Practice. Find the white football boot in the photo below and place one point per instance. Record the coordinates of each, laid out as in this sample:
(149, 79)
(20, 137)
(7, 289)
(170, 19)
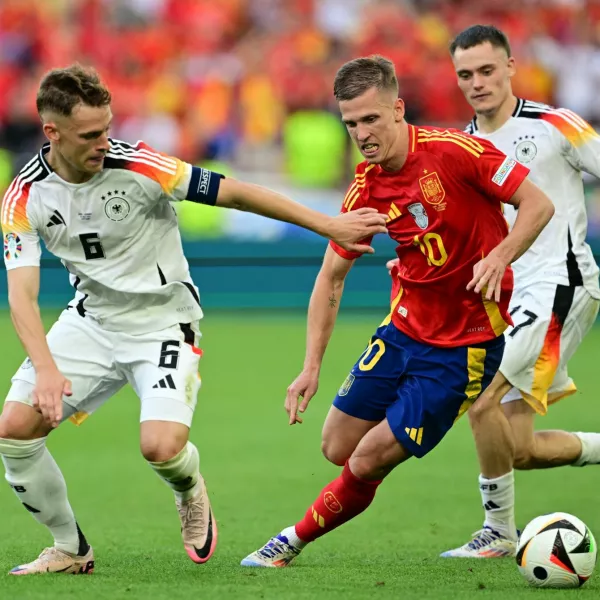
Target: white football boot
(277, 552)
(485, 543)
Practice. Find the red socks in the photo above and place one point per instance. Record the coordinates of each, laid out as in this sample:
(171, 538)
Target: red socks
(339, 501)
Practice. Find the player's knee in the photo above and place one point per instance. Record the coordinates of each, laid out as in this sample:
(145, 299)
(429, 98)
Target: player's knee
(162, 440)
(334, 453)
(368, 466)
(20, 421)
(479, 410)
(160, 450)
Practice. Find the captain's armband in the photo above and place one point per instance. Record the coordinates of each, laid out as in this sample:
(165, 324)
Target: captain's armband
(204, 186)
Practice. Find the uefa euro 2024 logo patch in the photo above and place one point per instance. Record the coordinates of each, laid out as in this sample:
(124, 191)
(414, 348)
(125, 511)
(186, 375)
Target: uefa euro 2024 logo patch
(508, 164)
(12, 246)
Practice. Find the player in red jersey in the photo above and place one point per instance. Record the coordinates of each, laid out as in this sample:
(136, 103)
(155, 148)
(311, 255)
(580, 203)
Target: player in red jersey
(440, 347)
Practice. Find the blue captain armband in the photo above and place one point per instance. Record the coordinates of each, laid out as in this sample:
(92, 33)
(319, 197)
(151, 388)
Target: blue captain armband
(204, 186)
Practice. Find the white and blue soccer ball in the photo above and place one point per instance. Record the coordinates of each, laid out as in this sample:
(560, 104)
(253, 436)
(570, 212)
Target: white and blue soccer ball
(556, 551)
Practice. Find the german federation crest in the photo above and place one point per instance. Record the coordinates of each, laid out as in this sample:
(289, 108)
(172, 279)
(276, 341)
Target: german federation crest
(116, 208)
(526, 151)
(417, 210)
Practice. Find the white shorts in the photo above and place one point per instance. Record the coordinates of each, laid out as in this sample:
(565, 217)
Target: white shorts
(161, 366)
(550, 321)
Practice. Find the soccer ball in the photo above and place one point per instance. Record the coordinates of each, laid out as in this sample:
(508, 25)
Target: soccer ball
(556, 551)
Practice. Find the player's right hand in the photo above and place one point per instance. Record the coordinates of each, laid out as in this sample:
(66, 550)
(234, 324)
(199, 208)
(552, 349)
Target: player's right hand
(305, 385)
(348, 229)
(48, 393)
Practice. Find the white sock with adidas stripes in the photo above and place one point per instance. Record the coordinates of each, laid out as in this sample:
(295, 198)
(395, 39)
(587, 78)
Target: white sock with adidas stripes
(498, 498)
(181, 473)
(39, 484)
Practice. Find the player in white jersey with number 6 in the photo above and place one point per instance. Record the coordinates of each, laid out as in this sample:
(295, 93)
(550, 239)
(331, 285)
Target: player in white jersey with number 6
(556, 295)
(103, 207)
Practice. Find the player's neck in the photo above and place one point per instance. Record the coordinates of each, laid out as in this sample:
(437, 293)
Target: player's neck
(490, 122)
(64, 170)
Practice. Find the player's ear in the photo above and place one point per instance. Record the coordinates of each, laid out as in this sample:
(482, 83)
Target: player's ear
(399, 110)
(512, 66)
(51, 131)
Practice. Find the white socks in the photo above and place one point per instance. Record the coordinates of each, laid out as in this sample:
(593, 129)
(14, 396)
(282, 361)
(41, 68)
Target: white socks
(292, 537)
(498, 497)
(590, 449)
(181, 473)
(38, 483)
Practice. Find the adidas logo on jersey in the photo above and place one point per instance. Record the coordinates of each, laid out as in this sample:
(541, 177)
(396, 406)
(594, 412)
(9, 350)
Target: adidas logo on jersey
(56, 219)
(165, 382)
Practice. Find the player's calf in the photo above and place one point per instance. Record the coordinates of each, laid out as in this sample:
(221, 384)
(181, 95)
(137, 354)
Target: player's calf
(554, 448)
(546, 449)
(39, 485)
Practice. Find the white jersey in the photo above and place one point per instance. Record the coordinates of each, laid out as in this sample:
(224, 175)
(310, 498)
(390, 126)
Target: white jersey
(557, 145)
(116, 234)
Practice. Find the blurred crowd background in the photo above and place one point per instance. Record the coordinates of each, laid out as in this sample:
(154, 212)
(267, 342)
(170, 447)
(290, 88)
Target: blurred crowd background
(247, 84)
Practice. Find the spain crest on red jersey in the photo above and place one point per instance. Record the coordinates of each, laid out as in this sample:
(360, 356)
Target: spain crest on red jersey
(432, 188)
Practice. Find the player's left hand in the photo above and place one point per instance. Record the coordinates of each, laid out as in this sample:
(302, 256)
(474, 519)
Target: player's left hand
(347, 229)
(487, 275)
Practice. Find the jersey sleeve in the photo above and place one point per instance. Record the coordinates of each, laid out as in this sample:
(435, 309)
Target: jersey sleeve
(355, 198)
(177, 180)
(579, 142)
(19, 233)
(171, 174)
(493, 173)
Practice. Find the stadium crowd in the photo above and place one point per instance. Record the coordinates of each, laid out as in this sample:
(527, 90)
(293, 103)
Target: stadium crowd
(213, 79)
(248, 82)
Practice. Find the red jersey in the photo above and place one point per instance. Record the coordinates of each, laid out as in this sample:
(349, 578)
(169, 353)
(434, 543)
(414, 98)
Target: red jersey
(444, 211)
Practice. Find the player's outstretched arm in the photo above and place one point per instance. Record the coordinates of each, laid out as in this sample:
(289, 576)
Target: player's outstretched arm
(23, 291)
(345, 229)
(535, 210)
(322, 313)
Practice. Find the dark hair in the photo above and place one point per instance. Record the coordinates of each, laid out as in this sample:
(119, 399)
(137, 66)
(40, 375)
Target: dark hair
(62, 89)
(477, 35)
(357, 76)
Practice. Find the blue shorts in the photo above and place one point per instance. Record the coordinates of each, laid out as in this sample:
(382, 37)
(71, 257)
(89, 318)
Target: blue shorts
(420, 389)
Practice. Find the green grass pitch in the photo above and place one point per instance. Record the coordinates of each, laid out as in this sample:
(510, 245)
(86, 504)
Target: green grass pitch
(263, 474)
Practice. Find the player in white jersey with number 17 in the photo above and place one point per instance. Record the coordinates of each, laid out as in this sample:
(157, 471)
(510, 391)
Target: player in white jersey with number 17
(556, 295)
(103, 207)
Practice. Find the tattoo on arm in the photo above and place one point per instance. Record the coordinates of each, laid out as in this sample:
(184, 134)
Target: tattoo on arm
(332, 301)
